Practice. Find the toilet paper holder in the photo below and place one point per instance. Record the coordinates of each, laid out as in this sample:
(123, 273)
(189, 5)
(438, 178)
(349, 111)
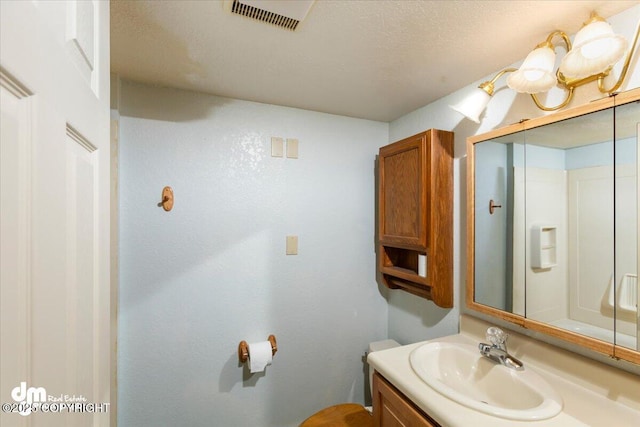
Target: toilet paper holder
(243, 349)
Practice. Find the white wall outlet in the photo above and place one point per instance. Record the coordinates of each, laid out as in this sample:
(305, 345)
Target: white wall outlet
(277, 147)
(292, 245)
(292, 148)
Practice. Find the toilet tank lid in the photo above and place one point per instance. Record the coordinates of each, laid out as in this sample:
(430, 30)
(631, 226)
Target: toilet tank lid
(382, 345)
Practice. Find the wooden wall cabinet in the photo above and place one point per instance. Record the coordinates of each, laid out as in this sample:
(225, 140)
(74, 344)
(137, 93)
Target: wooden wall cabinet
(392, 409)
(416, 215)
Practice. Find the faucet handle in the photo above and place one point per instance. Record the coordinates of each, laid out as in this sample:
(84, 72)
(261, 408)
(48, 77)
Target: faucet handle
(496, 336)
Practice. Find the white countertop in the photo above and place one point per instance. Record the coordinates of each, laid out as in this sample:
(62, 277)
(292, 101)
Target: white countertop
(586, 401)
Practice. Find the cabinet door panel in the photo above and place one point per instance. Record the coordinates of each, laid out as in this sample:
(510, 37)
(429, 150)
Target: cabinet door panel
(392, 409)
(403, 193)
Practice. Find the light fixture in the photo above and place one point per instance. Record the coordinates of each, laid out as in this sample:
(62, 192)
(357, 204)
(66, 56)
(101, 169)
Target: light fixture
(596, 49)
(473, 105)
(536, 72)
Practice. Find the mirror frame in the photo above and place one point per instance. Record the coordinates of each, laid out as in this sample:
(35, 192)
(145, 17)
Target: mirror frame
(607, 348)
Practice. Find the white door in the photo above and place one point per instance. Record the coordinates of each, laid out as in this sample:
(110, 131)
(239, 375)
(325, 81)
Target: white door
(54, 213)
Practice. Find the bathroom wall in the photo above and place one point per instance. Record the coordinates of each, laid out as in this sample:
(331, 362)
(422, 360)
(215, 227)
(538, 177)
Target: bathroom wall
(412, 319)
(213, 271)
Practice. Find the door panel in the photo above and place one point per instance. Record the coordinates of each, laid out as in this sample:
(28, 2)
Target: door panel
(81, 269)
(15, 296)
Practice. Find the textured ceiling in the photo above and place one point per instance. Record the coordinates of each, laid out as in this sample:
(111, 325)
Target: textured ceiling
(370, 59)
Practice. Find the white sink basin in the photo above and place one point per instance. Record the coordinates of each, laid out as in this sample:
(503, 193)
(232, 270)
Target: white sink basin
(461, 373)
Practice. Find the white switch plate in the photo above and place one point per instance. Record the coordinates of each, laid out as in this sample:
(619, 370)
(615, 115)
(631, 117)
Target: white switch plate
(277, 147)
(292, 148)
(292, 245)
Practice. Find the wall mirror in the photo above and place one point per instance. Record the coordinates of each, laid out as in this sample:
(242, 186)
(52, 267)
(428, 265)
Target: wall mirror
(553, 225)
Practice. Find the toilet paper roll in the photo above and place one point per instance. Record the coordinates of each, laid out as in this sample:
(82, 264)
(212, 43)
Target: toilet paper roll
(259, 356)
(422, 265)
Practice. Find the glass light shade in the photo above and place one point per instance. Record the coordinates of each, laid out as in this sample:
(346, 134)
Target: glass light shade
(536, 72)
(473, 105)
(595, 49)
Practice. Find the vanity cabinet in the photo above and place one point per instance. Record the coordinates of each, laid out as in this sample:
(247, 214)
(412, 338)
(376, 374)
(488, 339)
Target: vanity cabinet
(415, 216)
(391, 408)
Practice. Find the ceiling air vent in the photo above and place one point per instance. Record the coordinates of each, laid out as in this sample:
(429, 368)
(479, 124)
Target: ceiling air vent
(282, 13)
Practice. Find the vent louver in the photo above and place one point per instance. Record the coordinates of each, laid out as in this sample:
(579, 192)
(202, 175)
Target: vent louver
(264, 15)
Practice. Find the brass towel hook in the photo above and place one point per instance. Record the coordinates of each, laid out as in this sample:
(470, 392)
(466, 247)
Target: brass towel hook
(167, 199)
(493, 206)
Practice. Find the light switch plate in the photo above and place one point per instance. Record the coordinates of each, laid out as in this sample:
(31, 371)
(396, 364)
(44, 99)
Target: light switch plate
(292, 148)
(292, 245)
(277, 147)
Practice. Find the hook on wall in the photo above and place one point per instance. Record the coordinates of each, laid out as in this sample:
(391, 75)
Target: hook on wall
(493, 206)
(167, 199)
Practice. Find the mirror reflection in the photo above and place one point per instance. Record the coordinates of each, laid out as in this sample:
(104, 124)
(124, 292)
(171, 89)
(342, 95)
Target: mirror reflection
(625, 286)
(498, 278)
(569, 180)
(561, 246)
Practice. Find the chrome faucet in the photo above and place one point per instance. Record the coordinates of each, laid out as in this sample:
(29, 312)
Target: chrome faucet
(497, 350)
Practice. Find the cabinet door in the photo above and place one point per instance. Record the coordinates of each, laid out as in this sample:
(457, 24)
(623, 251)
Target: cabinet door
(393, 409)
(403, 193)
